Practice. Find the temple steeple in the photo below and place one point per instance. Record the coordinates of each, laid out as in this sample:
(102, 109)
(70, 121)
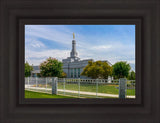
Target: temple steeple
(73, 35)
(73, 53)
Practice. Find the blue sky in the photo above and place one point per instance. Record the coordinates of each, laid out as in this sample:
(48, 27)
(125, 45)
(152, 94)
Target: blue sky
(99, 42)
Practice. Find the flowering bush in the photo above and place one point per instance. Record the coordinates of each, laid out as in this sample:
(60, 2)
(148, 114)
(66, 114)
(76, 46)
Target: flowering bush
(51, 68)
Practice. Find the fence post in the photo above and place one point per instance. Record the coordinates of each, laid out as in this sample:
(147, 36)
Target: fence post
(64, 85)
(122, 88)
(79, 87)
(28, 82)
(109, 79)
(54, 85)
(96, 88)
(46, 84)
(36, 81)
(57, 86)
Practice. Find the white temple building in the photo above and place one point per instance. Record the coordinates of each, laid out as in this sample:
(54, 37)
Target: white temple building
(72, 65)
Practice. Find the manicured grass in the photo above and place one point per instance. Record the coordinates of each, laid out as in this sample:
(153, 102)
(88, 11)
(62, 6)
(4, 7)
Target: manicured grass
(30, 94)
(86, 96)
(109, 89)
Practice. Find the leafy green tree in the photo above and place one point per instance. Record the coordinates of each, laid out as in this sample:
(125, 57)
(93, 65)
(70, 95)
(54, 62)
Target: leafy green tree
(51, 68)
(63, 75)
(97, 69)
(39, 75)
(121, 69)
(132, 75)
(28, 69)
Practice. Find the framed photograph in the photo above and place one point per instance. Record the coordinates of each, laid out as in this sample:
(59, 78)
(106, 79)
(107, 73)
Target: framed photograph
(97, 62)
(72, 61)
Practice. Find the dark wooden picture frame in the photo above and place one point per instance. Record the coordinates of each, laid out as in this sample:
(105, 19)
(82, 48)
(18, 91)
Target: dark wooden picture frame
(144, 14)
(137, 22)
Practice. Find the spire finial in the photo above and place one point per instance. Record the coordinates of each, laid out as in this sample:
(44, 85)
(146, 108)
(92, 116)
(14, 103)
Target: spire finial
(73, 35)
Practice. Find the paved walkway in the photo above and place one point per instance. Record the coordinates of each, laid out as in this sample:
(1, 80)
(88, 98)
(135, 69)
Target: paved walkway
(81, 92)
(93, 93)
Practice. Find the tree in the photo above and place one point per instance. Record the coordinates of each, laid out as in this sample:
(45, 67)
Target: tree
(121, 69)
(63, 75)
(97, 69)
(28, 69)
(132, 75)
(51, 68)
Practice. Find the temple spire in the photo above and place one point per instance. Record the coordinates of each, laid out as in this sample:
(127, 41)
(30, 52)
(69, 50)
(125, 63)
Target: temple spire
(73, 35)
(73, 52)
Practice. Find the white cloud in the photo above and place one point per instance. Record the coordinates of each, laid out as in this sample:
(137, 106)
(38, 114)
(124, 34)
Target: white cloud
(37, 44)
(108, 49)
(55, 35)
(101, 47)
(35, 58)
(32, 44)
(113, 52)
(131, 61)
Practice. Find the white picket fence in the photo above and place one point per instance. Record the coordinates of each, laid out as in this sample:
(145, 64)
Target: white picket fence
(81, 88)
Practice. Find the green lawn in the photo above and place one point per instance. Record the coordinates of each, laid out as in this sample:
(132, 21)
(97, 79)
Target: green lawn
(84, 95)
(30, 94)
(109, 89)
(106, 88)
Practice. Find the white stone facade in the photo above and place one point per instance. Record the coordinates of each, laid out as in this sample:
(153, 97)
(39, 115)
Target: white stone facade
(74, 69)
(73, 66)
